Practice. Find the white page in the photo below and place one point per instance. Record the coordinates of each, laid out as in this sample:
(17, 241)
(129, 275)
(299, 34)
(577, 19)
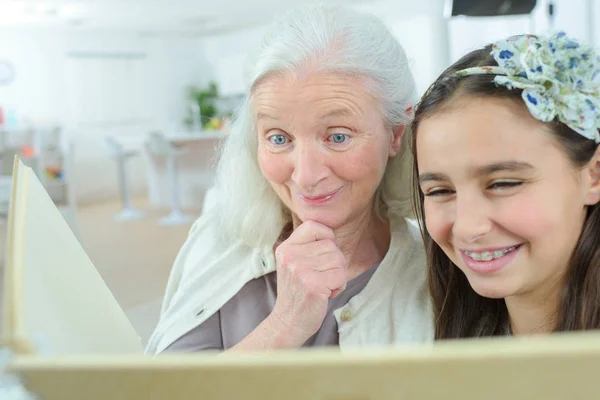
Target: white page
(60, 302)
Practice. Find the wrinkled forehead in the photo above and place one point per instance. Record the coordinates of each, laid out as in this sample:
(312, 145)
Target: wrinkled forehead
(319, 95)
(294, 80)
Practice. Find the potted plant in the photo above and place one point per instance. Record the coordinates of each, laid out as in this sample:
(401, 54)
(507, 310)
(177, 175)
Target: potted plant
(203, 111)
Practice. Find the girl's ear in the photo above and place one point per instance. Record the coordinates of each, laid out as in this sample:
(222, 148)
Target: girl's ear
(593, 171)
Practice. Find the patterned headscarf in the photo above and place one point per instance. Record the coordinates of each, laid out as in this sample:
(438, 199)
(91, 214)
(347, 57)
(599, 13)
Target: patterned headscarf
(559, 76)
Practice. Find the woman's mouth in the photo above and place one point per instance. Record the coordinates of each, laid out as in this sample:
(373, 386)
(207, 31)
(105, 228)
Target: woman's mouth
(319, 199)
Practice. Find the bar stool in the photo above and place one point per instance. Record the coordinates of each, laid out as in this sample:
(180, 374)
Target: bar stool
(121, 156)
(159, 146)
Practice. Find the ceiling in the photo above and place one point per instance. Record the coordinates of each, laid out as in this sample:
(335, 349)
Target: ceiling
(192, 16)
(198, 17)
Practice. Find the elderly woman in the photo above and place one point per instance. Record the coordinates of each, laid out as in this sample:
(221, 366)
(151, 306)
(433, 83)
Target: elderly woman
(308, 245)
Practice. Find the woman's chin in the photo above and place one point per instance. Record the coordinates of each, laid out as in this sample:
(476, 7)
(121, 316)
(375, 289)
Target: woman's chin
(328, 219)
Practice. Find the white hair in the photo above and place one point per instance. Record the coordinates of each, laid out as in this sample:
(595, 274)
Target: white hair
(324, 38)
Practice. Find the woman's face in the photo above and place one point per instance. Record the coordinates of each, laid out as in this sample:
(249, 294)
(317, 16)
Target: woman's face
(322, 145)
(502, 199)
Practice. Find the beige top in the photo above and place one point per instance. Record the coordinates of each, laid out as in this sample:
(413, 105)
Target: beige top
(250, 306)
(392, 308)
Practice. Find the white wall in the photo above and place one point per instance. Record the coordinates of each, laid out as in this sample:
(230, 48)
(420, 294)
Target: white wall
(428, 55)
(593, 20)
(99, 84)
(467, 34)
(571, 16)
(227, 54)
(431, 42)
(418, 26)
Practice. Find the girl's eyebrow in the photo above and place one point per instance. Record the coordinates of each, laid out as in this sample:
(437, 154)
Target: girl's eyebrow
(512, 166)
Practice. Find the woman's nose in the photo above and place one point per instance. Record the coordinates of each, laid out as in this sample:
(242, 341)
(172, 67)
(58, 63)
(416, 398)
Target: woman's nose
(309, 167)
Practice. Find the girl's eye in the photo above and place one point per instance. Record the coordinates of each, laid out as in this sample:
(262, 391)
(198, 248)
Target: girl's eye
(338, 138)
(504, 185)
(278, 139)
(438, 192)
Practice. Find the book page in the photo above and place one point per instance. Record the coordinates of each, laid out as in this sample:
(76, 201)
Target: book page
(60, 303)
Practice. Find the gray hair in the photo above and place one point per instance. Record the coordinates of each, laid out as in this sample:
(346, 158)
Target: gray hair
(311, 38)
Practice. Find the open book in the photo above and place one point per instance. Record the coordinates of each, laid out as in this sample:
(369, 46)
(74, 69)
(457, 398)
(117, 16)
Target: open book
(73, 342)
(55, 301)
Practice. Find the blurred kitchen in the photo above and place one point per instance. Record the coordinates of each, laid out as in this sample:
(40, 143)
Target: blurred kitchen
(119, 106)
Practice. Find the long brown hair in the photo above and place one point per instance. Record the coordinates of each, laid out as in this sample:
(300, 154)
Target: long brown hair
(459, 311)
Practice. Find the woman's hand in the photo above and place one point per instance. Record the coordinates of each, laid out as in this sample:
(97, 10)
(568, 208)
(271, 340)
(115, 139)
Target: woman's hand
(311, 269)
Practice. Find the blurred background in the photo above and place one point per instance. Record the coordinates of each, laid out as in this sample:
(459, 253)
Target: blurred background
(118, 106)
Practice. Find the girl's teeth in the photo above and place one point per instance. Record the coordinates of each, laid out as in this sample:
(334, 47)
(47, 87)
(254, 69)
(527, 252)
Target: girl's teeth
(489, 255)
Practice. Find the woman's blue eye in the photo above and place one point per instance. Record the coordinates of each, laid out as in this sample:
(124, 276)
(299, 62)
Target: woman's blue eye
(339, 137)
(278, 139)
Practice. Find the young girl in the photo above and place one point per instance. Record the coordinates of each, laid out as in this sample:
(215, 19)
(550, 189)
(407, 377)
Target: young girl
(507, 185)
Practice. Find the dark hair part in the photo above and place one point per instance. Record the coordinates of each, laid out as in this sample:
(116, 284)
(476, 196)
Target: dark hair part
(459, 311)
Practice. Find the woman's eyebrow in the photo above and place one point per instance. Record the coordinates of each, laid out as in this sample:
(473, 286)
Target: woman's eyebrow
(262, 115)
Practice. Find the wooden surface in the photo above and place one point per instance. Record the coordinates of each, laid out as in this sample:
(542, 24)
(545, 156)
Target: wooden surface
(501, 369)
(54, 297)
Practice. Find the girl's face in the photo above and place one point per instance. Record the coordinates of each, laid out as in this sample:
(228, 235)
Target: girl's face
(502, 199)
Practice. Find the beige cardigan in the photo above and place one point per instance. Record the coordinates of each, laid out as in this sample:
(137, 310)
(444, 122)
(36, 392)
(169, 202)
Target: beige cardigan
(393, 308)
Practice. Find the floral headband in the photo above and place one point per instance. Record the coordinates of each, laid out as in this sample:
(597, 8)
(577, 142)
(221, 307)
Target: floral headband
(560, 79)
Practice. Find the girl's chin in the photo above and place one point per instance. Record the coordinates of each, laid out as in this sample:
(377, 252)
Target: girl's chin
(491, 291)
